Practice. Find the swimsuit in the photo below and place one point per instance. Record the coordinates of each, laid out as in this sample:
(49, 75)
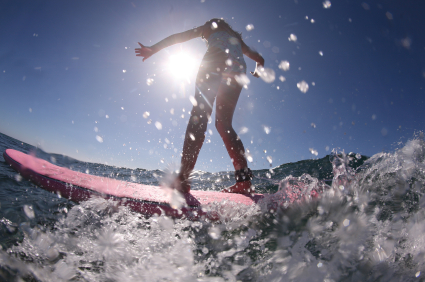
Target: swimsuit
(226, 50)
(221, 63)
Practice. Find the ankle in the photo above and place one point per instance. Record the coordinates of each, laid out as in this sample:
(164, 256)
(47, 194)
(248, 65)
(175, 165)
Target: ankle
(244, 174)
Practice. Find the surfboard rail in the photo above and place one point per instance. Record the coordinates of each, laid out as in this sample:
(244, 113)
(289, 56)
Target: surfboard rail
(146, 199)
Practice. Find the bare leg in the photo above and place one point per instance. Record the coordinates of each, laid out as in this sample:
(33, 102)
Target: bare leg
(206, 90)
(227, 99)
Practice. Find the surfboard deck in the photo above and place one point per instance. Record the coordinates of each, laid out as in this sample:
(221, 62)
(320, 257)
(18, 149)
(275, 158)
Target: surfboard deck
(146, 199)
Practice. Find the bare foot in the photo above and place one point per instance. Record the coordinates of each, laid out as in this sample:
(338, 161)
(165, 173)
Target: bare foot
(240, 188)
(181, 185)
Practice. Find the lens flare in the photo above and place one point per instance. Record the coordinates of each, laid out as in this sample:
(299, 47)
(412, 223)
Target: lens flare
(181, 66)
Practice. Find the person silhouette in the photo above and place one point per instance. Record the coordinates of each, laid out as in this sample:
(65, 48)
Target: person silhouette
(216, 80)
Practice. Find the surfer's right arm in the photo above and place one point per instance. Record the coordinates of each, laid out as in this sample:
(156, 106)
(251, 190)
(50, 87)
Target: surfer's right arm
(253, 55)
(181, 37)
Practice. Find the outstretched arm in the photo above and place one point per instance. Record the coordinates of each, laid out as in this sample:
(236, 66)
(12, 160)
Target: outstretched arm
(253, 55)
(146, 52)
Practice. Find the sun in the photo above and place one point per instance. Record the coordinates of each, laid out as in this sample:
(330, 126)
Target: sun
(181, 65)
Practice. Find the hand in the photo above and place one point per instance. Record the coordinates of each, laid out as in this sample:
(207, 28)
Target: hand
(255, 73)
(144, 51)
(259, 66)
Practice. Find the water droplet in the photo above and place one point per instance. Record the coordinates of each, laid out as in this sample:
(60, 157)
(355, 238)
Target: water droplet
(99, 139)
(313, 125)
(313, 152)
(384, 131)
(149, 81)
(268, 75)
(418, 274)
(321, 53)
(29, 212)
(192, 136)
(146, 114)
(269, 159)
(243, 130)
(214, 25)
(284, 65)
(124, 71)
(176, 200)
(249, 158)
(346, 222)
(242, 79)
(327, 4)
(302, 86)
(292, 37)
(266, 129)
(249, 27)
(18, 177)
(406, 42)
(158, 125)
(214, 232)
(282, 78)
(149, 121)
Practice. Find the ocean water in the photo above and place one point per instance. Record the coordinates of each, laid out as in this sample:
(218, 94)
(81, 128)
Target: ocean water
(368, 225)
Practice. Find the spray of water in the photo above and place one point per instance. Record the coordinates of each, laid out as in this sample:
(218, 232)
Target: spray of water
(365, 225)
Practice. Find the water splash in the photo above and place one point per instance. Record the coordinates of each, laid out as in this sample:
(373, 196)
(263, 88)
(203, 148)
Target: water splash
(303, 86)
(327, 4)
(367, 225)
(284, 65)
(267, 74)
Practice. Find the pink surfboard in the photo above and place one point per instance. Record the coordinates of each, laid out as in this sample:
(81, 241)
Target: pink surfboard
(146, 199)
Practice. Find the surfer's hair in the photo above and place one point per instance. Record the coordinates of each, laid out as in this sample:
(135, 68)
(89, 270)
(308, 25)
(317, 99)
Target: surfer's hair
(223, 25)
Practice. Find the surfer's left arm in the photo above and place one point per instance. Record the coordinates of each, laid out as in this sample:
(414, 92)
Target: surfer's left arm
(255, 56)
(181, 37)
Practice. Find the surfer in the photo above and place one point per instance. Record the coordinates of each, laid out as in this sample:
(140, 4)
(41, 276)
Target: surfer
(222, 65)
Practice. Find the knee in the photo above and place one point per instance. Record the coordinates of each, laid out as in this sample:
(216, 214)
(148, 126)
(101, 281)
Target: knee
(199, 123)
(223, 128)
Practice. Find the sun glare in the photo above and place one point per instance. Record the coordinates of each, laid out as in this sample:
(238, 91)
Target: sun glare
(181, 65)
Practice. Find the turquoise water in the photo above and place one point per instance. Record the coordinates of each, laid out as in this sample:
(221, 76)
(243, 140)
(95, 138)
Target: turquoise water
(368, 226)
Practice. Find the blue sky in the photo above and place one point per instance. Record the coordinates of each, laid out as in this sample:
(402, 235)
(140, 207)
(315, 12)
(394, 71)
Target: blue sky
(70, 82)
